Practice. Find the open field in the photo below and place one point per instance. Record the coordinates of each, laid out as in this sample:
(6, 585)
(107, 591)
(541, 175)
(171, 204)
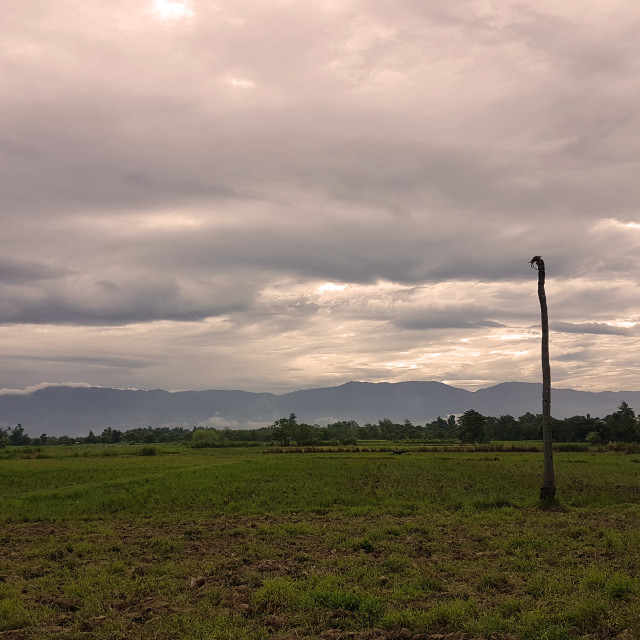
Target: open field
(104, 543)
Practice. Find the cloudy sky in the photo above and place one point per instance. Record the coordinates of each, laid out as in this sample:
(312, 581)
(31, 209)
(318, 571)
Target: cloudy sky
(279, 194)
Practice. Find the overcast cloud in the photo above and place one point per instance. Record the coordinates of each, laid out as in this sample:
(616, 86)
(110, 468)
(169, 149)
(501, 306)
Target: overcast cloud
(272, 195)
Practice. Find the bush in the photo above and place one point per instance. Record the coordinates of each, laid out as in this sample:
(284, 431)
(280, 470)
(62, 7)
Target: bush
(593, 437)
(203, 438)
(148, 451)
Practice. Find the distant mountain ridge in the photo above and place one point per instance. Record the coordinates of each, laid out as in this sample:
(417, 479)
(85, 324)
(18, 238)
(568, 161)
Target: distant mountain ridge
(73, 411)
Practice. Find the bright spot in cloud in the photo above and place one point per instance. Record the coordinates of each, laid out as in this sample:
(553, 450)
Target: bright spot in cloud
(169, 221)
(172, 10)
(241, 84)
(498, 352)
(156, 221)
(613, 222)
(330, 286)
(402, 365)
(465, 353)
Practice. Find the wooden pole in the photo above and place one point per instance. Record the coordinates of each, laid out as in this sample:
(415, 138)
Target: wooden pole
(548, 488)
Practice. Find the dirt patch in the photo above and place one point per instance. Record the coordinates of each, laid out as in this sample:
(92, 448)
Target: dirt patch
(64, 604)
(143, 611)
(91, 624)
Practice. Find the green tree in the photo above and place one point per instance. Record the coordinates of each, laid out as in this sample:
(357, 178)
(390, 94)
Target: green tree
(411, 431)
(110, 436)
(529, 426)
(389, 430)
(623, 425)
(504, 428)
(575, 428)
(305, 434)
(436, 429)
(284, 430)
(344, 431)
(472, 427)
(548, 488)
(17, 436)
(369, 432)
(206, 438)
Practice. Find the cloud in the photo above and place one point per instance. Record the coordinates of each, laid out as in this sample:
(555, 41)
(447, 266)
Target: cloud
(15, 271)
(175, 191)
(445, 317)
(182, 189)
(79, 300)
(42, 385)
(598, 328)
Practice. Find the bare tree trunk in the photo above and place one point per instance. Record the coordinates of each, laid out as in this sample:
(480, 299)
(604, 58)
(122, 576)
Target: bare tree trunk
(548, 488)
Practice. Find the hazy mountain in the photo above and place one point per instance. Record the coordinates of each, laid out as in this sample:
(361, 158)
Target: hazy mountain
(76, 410)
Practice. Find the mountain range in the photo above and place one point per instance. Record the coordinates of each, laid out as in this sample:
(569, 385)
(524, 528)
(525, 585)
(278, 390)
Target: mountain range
(73, 411)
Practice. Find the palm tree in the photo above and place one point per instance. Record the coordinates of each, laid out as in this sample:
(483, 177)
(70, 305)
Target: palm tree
(548, 488)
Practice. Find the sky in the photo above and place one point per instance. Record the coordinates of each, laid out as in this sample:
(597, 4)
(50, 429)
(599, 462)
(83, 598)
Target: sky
(273, 195)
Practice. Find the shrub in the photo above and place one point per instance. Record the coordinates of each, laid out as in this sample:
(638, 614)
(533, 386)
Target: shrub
(148, 451)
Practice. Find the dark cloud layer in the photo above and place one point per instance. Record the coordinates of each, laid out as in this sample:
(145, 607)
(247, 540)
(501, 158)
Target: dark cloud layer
(22, 272)
(598, 328)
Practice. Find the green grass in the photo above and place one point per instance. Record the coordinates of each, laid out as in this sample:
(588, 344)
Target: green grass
(233, 543)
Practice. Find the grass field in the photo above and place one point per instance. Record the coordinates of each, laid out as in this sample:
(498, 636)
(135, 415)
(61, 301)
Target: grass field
(105, 543)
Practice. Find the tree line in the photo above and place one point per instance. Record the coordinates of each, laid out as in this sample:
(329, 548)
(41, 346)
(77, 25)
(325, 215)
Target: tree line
(471, 426)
